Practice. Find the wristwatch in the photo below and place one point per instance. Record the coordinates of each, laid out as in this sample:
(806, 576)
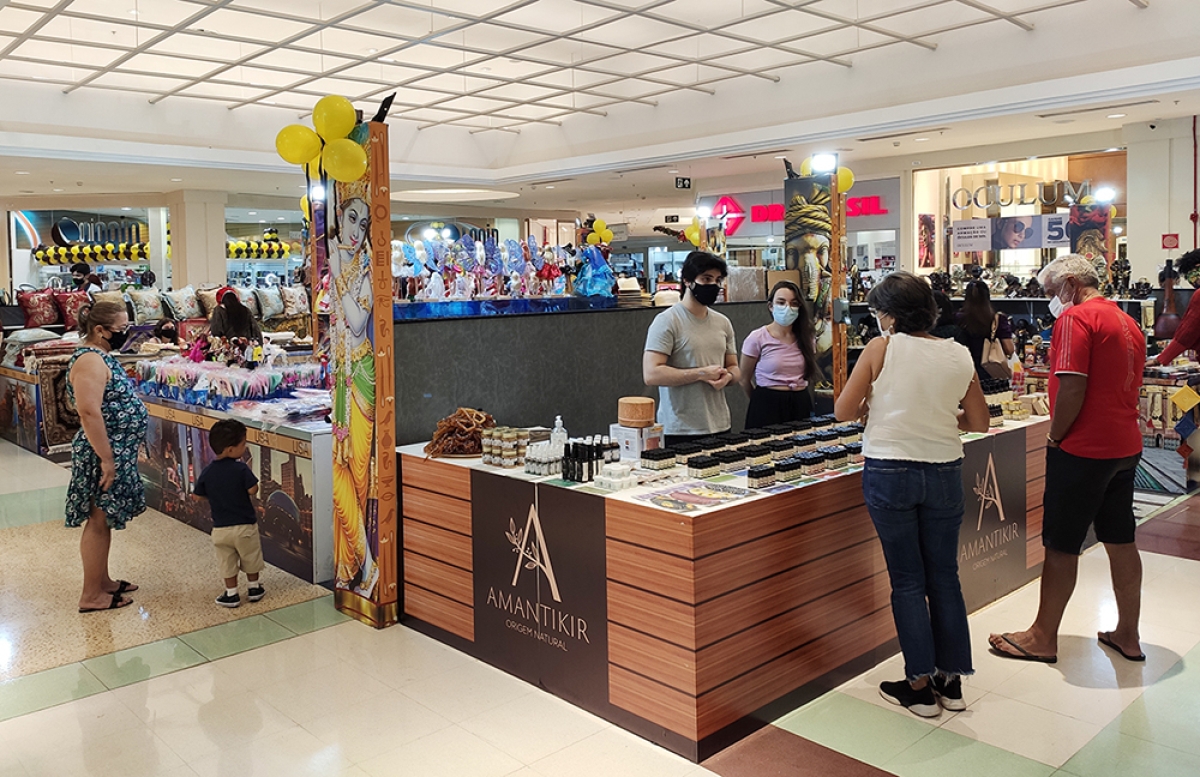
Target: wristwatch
(1052, 440)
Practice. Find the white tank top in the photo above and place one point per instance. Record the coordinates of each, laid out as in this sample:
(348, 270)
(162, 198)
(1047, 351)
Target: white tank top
(915, 400)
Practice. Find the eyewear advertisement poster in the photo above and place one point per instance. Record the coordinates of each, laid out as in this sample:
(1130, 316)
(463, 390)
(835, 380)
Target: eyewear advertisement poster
(1011, 232)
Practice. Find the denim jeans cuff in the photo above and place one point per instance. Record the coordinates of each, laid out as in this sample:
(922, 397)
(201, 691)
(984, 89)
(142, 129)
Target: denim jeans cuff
(923, 676)
(959, 672)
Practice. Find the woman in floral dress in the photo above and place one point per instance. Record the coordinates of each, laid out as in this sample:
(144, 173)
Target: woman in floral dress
(106, 489)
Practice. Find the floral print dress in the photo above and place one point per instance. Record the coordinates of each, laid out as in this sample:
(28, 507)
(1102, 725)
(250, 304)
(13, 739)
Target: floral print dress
(125, 419)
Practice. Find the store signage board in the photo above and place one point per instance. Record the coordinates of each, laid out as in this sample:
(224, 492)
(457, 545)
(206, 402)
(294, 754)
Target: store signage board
(971, 235)
(1170, 242)
(992, 540)
(1011, 232)
(540, 588)
(996, 196)
(683, 183)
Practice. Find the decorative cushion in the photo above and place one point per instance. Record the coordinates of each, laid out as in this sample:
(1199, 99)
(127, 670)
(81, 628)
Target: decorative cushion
(295, 324)
(183, 303)
(270, 302)
(247, 297)
(109, 296)
(208, 301)
(295, 301)
(147, 306)
(38, 307)
(69, 304)
(15, 342)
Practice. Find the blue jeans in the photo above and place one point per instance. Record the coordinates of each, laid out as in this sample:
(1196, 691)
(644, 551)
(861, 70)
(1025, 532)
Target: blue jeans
(917, 510)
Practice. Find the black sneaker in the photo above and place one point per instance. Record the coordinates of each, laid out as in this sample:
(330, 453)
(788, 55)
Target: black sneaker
(949, 692)
(225, 600)
(255, 593)
(920, 702)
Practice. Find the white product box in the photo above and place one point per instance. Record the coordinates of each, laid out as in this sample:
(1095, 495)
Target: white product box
(634, 441)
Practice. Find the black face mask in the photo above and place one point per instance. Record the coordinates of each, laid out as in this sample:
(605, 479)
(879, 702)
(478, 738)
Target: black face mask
(705, 293)
(169, 334)
(117, 339)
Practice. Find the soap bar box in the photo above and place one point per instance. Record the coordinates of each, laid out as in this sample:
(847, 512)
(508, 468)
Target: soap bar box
(634, 441)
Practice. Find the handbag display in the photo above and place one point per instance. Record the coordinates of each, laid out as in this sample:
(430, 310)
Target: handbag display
(993, 359)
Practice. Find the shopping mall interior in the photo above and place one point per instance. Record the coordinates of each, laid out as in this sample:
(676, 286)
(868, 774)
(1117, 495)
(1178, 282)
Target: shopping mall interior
(519, 182)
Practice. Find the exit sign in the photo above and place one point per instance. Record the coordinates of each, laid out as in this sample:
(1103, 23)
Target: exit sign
(683, 183)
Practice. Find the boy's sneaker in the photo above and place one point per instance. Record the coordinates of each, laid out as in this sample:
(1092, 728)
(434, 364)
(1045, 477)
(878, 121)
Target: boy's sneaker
(920, 702)
(255, 593)
(225, 600)
(948, 691)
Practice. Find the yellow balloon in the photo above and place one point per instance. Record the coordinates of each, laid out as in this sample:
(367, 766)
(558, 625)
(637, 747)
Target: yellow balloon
(845, 179)
(1088, 200)
(599, 225)
(297, 144)
(305, 208)
(606, 235)
(344, 160)
(334, 117)
(806, 166)
(313, 167)
(593, 239)
(1112, 212)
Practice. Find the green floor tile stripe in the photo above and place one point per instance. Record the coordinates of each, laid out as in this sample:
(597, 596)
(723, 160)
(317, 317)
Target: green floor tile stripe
(838, 721)
(42, 690)
(26, 508)
(948, 754)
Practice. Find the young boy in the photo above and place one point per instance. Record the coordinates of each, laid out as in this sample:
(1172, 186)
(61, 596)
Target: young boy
(228, 484)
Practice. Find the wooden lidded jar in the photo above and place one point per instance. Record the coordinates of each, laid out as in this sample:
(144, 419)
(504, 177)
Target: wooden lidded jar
(635, 412)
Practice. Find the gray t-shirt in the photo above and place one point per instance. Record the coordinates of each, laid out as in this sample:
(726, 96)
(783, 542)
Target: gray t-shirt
(689, 342)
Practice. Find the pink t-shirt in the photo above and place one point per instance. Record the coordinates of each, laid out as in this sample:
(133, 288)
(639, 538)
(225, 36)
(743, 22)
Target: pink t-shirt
(780, 365)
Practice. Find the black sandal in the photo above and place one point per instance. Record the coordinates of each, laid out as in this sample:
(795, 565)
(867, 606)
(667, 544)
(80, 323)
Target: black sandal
(115, 604)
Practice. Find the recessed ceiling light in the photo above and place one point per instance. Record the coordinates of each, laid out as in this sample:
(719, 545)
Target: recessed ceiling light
(252, 213)
(262, 221)
(22, 172)
(126, 208)
(549, 187)
(672, 171)
(372, 51)
(133, 12)
(781, 156)
(920, 140)
(281, 218)
(176, 180)
(58, 190)
(1116, 115)
(1110, 150)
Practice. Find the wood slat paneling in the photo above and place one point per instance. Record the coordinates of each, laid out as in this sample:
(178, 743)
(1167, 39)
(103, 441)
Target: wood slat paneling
(437, 509)
(658, 616)
(447, 546)
(728, 659)
(733, 701)
(441, 612)
(668, 664)
(451, 582)
(1035, 464)
(1035, 436)
(668, 575)
(740, 523)
(669, 708)
(436, 476)
(724, 572)
(1034, 491)
(650, 527)
(1033, 522)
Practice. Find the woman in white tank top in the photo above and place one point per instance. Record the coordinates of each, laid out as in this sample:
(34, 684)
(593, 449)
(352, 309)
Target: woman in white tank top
(917, 393)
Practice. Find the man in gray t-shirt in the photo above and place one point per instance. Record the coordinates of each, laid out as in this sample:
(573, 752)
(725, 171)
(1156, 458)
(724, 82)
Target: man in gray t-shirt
(691, 354)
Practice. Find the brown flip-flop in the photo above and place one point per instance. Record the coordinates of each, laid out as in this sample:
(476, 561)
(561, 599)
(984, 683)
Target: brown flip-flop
(1025, 655)
(1105, 638)
(117, 603)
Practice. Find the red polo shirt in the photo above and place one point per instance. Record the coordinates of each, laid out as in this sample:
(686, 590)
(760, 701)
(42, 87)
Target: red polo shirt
(1099, 340)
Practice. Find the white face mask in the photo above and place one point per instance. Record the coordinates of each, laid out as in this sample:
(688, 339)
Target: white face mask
(879, 323)
(785, 315)
(1058, 307)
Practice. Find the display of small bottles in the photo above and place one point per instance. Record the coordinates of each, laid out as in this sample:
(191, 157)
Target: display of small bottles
(710, 444)
(836, 456)
(780, 431)
(781, 449)
(658, 459)
(758, 435)
(855, 452)
(789, 470)
(584, 458)
(703, 466)
(731, 461)
(812, 463)
(805, 443)
(543, 458)
(756, 454)
(761, 476)
(826, 436)
(685, 450)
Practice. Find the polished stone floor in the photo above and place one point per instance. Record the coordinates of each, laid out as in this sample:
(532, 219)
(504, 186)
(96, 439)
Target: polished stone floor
(301, 690)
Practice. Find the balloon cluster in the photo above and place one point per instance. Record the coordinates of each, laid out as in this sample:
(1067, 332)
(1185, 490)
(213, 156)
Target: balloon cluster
(92, 252)
(600, 233)
(845, 176)
(267, 248)
(327, 150)
(1091, 202)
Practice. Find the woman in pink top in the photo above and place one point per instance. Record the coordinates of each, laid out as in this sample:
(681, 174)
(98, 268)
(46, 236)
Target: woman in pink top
(779, 360)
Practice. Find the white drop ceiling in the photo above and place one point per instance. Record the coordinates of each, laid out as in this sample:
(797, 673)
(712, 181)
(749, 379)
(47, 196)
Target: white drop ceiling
(488, 65)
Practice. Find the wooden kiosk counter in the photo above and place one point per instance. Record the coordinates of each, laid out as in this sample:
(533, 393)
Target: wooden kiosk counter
(686, 611)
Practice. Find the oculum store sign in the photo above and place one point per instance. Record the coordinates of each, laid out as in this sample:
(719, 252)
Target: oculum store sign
(995, 195)
(870, 205)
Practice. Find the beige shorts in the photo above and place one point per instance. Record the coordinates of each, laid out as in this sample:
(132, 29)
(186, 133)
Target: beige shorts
(238, 547)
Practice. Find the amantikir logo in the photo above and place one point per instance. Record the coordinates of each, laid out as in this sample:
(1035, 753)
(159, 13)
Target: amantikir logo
(987, 488)
(530, 546)
(992, 543)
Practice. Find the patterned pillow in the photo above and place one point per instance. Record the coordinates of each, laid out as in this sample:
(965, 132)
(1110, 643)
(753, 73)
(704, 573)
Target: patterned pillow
(295, 300)
(147, 306)
(109, 296)
(69, 304)
(270, 302)
(38, 307)
(247, 297)
(183, 303)
(208, 300)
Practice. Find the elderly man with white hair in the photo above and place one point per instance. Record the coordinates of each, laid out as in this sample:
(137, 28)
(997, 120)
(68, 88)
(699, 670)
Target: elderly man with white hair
(1093, 448)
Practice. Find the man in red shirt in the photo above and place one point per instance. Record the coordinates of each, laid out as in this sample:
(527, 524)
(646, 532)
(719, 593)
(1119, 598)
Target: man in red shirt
(1093, 448)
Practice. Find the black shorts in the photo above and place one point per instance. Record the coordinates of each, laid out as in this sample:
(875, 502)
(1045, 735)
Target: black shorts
(1084, 492)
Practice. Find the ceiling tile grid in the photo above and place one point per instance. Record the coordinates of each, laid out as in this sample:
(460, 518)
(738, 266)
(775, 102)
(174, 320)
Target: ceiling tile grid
(481, 64)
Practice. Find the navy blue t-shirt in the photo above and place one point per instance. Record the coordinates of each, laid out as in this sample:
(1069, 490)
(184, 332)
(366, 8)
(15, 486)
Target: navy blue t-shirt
(226, 483)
